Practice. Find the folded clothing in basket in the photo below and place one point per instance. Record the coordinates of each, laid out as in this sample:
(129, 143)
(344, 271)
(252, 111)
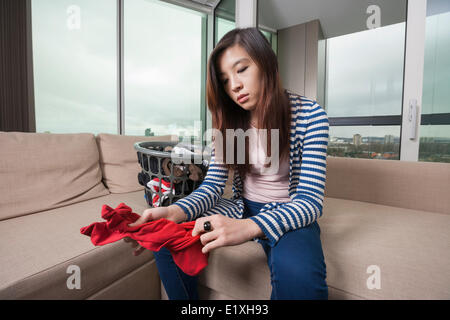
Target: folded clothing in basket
(186, 250)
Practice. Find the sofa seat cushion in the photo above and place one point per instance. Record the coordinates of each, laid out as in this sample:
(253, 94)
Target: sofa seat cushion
(41, 171)
(410, 248)
(239, 272)
(38, 249)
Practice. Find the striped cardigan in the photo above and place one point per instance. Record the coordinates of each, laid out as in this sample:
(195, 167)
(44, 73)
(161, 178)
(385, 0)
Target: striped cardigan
(307, 175)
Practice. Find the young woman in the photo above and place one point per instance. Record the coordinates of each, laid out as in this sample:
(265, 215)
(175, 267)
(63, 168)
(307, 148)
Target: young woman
(278, 209)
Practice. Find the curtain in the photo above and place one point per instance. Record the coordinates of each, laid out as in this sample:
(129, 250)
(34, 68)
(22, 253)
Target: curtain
(16, 67)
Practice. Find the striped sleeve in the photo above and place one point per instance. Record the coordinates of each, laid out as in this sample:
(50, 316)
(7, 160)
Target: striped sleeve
(208, 193)
(306, 207)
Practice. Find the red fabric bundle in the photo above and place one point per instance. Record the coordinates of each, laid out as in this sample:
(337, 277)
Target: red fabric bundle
(186, 250)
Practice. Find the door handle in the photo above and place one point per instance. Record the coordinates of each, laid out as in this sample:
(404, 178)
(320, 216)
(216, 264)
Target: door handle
(412, 119)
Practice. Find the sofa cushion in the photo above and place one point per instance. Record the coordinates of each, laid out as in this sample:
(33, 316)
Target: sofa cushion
(38, 249)
(240, 272)
(40, 171)
(409, 248)
(119, 162)
(141, 284)
(405, 184)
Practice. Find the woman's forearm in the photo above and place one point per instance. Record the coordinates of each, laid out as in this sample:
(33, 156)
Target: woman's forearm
(176, 214)
(254, 230)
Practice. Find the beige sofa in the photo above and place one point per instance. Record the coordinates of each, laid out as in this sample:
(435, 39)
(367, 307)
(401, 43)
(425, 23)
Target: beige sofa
(51, 185)
(383, 219)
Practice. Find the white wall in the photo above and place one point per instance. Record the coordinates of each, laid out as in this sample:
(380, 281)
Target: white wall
(298, 58)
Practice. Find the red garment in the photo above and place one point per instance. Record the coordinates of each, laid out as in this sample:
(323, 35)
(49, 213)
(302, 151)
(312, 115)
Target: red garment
(186, 250)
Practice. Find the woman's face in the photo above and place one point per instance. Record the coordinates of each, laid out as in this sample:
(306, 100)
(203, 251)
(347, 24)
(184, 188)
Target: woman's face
(240, 76)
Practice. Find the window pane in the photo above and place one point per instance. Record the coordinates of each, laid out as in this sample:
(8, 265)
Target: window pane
(435, 139)
(436, 84)
(272, 38)
(224, 18)
(275, 43)
(266, 34)
(365, 72)
(434, 143)
(163, 59)
(373, 142)
(364, 78)
(75, 73)
(223, 27)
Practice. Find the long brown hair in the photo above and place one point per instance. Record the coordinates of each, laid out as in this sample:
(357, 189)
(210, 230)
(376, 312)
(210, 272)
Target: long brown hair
(273, 107)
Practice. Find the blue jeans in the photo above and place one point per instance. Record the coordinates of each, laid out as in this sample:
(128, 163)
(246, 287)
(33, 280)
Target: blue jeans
(296, 263)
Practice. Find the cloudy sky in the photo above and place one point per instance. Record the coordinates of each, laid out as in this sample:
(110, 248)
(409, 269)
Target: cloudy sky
(75, 62)
(76, 66)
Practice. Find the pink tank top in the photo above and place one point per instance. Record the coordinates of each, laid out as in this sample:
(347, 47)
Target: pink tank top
(265, 184)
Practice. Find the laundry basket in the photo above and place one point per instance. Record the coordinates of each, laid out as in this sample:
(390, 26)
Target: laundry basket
(170, 170)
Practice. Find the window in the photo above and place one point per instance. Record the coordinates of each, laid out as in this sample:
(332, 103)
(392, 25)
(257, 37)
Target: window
(435, 125)
(364, 85)
(223, 27)
(272, 38)
(75, 73)
(225, 20)
(163, 52)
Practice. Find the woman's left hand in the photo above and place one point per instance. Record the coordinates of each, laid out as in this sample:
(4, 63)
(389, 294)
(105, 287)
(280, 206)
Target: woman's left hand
(225, 231)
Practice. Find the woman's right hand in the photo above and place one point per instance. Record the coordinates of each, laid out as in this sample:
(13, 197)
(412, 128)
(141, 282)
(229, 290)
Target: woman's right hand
(173, 213)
